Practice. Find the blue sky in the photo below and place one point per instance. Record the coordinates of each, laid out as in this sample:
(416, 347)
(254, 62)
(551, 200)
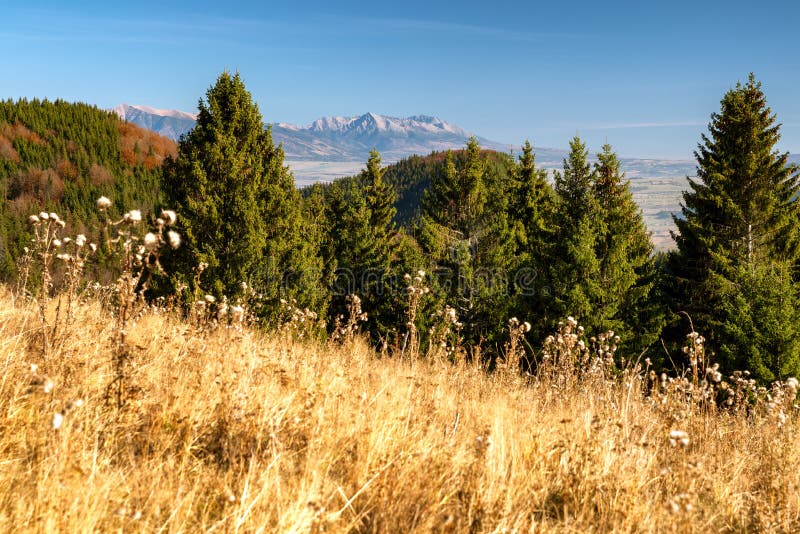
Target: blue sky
(643, 75)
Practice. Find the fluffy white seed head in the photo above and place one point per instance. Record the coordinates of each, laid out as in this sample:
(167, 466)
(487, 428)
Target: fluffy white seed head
(678, 437)
(169, 217)
(174, 239)
(103, 203)
(133, 217)
(150, 240)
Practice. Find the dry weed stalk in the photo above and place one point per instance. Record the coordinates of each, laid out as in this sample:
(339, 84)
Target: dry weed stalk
(570, 360)
(513, 349)
(299, 323)
(138, 254)
(46, 228)
(345, 331)
(415, 290)
(445, 340)
(48, 247)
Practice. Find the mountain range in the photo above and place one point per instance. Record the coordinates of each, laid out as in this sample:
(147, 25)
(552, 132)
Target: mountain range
(340, 139)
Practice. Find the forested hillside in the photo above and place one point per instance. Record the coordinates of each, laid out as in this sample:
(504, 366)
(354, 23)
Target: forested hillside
(60, 157)
(410, 177)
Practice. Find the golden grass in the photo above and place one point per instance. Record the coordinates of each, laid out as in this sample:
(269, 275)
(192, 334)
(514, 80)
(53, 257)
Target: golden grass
(241, 432)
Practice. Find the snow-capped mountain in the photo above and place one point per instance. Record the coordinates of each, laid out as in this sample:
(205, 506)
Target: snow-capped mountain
(351, 138)
(166, 122)
(332, 138)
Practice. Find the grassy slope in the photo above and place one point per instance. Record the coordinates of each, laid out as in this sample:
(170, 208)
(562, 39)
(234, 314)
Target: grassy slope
(240, 432)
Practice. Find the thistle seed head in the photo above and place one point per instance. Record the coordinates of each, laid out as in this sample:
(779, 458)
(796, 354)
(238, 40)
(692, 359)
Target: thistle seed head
(174, 239)
(133, 217)
(150, 240)
(169, 217)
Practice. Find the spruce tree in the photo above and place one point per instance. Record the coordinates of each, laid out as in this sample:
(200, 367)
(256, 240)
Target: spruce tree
(738, 237)
(380, 196)
(464, 230)
(240, 212)
(362, 245)
(355, 250)
(627, 267)
(385, 283)
(531, 207)
(575, 268)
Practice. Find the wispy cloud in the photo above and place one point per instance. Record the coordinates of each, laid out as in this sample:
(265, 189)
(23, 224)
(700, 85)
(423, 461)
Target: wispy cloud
(634, 125)
(67, 26)
(455, 28)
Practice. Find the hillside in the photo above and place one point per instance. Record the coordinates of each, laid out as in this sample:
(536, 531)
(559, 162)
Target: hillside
(227, 429)
(656, 186)
(59, 156)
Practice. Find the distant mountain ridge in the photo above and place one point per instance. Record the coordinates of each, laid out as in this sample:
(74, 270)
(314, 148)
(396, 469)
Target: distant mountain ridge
(168, 123)
(332, 138)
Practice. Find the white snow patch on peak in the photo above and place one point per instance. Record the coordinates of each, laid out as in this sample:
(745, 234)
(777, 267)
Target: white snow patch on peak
(123, 109)
(120, 110)
(331, 123)
(373, 122)
(381, 122)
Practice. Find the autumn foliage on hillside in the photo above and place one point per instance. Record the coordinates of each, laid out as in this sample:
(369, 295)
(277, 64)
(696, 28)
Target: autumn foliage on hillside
(143, 147)
(60, 156)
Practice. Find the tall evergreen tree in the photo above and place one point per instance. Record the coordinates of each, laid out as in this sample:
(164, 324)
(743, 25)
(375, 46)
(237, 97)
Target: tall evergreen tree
(531, 207)
(386, 283)
(238, 206)
(737, 236)
(380, 196)
(625, 252)
(575, 268)
(464, 229)
(362, 245)
(356, 252)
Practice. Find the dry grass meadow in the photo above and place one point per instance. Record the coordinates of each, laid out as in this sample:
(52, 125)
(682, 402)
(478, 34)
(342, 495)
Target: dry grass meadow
(231, 430)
